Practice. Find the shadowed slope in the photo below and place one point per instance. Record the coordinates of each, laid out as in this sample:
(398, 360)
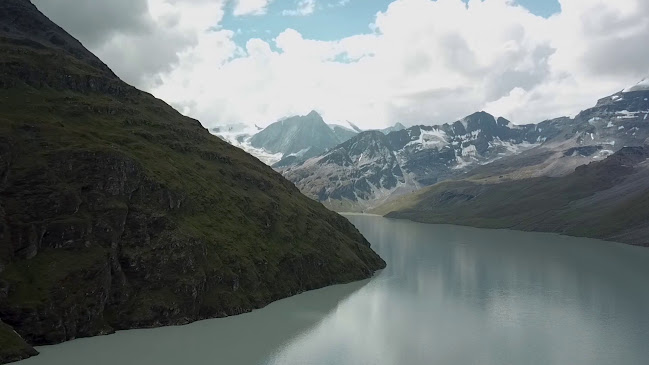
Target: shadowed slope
(606, 199)
(118, 212)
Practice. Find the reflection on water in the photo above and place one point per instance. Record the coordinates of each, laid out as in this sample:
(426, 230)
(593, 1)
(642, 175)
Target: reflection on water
(450, 295)
(455, 295)
(245, 339)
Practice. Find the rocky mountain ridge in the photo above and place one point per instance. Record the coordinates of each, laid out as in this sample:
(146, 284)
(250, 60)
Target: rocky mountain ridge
(117, 212)
(480, 146)
(291, 140)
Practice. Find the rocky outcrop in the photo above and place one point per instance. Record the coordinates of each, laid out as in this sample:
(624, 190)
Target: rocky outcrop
(14, 347)
(117, 212)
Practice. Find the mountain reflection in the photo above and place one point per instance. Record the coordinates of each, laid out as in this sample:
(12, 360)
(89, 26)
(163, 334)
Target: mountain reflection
(450, 295)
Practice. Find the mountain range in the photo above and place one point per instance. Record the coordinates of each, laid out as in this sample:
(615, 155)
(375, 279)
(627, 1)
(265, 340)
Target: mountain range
(604, 199)
(372, 168)
(591, 180)
(117, 212)
(292, 140)
(409, 172)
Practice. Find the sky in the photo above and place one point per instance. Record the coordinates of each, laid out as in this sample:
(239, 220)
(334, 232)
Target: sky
(371, 62)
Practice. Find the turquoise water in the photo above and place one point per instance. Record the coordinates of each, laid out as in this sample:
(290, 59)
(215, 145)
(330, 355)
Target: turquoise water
(450, 295)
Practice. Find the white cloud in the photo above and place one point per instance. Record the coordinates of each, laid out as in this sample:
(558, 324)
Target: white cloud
(138, 39)
(304, 7)
(250, 7)
(429, 62)
(423, 62)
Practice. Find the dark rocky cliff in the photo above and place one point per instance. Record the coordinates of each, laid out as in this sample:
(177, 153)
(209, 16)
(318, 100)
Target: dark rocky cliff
(118, 212)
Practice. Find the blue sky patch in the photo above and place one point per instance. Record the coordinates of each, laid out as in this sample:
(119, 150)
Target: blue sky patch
(331, 20)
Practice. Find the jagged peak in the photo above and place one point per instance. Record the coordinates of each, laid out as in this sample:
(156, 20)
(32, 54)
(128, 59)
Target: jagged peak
(313, 114)
(366, 136)
(480, 114)
(371, 134)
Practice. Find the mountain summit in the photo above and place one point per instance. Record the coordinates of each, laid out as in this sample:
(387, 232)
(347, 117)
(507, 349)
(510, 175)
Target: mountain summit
(301, 136)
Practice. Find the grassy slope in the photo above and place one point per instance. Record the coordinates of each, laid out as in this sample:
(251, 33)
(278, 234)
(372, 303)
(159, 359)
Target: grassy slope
(604, 200)
(13, 346)
(233, 230)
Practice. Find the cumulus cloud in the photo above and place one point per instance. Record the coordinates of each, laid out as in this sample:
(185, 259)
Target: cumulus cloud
(304, 7)
(251, 7)
(421, 61)
(138, 39)
(93, 22)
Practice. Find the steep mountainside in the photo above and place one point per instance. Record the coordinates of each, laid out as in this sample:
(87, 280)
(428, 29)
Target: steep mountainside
(395, 128)
(360, 169)
(118, 212)
(616, 121)
(605, 199)
(239, 136)
(342, 133)
(300, 136)
(287, 142)
(481, 147)
(422, 155)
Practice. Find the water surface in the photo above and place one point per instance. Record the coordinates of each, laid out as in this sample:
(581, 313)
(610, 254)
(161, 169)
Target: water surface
(450, 295)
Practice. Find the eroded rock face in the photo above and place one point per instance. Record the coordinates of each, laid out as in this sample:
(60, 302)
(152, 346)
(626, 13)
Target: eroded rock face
(118, 212)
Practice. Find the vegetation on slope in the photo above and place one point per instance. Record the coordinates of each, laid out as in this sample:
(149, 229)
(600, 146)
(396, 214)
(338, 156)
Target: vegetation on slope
(14, 348)
(606, 199)
(118, 212)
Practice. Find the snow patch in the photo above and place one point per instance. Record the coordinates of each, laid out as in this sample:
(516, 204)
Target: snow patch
(300, 153)
(515, 148)
(625, 114)
(461, 163)
(239, 136)
(602, 154)
(469, 150)
(641, 86)
(430, 139)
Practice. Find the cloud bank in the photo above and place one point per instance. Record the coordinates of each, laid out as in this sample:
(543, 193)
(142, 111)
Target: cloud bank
(420, 62)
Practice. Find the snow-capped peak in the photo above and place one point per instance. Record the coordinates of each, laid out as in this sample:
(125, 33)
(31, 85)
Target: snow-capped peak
(640, 86)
